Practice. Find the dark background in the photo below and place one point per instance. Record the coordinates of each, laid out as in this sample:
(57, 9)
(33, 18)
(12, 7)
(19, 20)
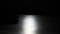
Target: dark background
(22, 7)
(30, 7)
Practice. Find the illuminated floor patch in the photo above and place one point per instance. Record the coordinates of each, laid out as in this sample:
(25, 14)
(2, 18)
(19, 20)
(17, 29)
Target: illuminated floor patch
(29, 25)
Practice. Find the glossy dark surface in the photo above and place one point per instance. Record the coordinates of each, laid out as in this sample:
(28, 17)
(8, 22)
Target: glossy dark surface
(48, 24)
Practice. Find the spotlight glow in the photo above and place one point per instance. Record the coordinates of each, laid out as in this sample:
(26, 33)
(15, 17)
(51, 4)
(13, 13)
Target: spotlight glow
(29, 25)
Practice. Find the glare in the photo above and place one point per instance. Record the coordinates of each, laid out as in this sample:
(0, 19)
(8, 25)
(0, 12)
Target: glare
(29, 25)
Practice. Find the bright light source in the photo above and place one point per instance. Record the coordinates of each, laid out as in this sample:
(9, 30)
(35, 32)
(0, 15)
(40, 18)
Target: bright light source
(29, 25)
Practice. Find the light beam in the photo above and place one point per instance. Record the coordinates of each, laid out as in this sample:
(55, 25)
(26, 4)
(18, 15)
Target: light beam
(29, 25)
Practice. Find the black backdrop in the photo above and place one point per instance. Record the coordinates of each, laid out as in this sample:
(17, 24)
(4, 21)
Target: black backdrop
(19, 7)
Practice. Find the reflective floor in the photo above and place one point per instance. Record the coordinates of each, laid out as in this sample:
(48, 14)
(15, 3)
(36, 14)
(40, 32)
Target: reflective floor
(12, 29)
(47, 26)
